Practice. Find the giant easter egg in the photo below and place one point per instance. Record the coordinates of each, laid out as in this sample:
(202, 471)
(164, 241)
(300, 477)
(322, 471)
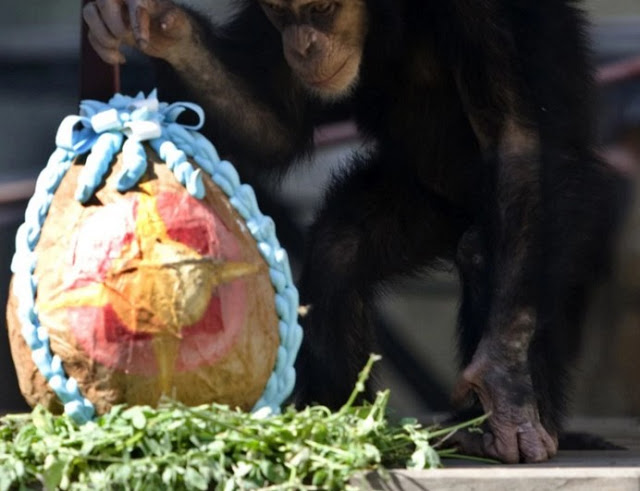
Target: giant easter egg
(147, 292)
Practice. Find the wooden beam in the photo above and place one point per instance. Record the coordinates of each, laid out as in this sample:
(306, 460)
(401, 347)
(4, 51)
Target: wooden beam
(98, 80)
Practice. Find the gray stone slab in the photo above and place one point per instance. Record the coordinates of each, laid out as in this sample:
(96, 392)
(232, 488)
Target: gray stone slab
(579, 471)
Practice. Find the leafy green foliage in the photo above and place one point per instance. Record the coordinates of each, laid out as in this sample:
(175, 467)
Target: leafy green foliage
(212, 447)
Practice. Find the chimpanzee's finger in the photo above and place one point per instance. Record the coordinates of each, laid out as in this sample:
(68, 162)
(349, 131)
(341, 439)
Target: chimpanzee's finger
(531, 444)
(99, 31)
(108, 54)
(549, 440)
(140, 21)
(502, 444)
(111, 12)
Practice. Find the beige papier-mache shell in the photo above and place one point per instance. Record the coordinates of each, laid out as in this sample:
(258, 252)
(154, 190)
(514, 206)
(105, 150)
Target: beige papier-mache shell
(158, 295)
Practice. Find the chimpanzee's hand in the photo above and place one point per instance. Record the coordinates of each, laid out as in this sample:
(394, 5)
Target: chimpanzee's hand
(514, 432)
(158, 28)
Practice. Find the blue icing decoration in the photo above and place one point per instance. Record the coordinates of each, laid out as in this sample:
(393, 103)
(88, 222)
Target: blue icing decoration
(225, 184)
(162, 147)
(248, 198)
(267, 252)
(23, 261)
(195, 185)
(135, 165)
(41, 356)
(290, 377)
(205, 164)
(208, 151)
(33, 234)
(278, 280)
(28, 332)
(105, 120)
(25, 284)
(101, 129)
(75, 406)
(293, 299)
(182, 170)
(36, 210)
(172, 111)
(262, 228)
(227, 169)
(97, 164)
(282, 307)
(283, 329)
(56, 363)
(180, 136)
(57, 384)
(271, 388)
(281, 262)
(282, 359)
(43, 336)
(82, 408)
(240, 207)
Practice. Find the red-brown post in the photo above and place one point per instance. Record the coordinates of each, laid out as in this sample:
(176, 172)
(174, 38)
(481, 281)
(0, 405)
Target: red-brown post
(98, 80)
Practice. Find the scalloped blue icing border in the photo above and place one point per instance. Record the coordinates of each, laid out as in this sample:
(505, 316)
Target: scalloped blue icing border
(102, 130)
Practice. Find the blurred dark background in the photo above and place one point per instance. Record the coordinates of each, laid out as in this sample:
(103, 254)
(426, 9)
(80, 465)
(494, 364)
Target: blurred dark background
(39, 85)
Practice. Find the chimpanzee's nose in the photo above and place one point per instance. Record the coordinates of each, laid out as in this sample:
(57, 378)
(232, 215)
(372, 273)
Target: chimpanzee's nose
(301, 40)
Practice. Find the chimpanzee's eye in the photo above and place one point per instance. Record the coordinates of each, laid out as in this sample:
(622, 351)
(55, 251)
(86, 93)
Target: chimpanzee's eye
(275, 9)
(323, 8)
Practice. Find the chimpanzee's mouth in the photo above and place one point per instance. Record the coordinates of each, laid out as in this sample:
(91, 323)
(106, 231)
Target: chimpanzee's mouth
(326, 82)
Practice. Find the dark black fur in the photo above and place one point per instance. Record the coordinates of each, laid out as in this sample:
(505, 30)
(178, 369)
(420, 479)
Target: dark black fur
(441, 81)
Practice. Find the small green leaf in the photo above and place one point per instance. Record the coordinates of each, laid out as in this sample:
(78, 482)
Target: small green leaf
(367, 425)
(320, 478)
(300, 458)
(136, 416)
(193, 479)
(19, 469)
(242, 469)
(53, 471)
(215, 447)
(417, 461)
(371, 453)
(274, 473)
(168, 476)
(6, 479)
(122, 474)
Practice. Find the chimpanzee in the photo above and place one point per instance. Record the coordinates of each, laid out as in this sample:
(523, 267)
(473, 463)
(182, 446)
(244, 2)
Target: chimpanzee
(480, 122)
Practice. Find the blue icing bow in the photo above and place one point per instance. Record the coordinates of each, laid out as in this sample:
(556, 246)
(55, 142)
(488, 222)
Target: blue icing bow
(101, 130)
(101, 127)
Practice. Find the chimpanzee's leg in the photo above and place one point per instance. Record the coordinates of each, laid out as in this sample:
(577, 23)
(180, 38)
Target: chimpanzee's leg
(542, 231)
(473, 261)
(582, 213)
(377, 222)
(521, 374)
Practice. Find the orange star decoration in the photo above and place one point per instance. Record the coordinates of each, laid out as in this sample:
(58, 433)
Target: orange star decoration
(151, 286)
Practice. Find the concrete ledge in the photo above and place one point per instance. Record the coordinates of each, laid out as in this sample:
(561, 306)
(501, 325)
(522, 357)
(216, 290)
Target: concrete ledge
(579, 471)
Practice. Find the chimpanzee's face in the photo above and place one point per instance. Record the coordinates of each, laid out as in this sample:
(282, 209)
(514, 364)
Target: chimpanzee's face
(322, 41)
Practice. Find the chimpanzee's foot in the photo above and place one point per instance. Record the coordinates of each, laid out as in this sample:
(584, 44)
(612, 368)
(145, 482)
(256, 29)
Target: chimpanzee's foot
(513, 431)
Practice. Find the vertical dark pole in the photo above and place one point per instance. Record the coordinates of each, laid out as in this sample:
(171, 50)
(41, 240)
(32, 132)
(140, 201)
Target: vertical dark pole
(98, 80)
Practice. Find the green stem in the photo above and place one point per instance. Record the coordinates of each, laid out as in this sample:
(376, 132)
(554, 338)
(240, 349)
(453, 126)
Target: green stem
(360, 384)
(450, 430)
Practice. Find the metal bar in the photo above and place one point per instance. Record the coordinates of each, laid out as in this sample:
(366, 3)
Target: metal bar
(619, 71)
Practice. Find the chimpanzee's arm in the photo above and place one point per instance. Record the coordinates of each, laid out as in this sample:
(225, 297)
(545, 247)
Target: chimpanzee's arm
(255, 110)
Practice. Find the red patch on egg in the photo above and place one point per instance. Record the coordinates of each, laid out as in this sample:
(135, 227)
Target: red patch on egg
(99, 242)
